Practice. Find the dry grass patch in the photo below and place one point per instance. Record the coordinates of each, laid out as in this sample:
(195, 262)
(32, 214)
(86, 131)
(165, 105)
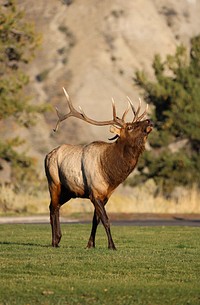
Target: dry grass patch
(125, 200)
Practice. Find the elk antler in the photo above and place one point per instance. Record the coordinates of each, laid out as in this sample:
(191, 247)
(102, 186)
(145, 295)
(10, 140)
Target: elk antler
(136, 113)
(81, 115)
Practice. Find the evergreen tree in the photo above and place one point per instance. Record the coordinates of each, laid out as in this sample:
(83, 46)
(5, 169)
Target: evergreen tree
(18, 41)
(175, 96)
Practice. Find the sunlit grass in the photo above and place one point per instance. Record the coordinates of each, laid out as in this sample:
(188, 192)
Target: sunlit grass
(153, 265)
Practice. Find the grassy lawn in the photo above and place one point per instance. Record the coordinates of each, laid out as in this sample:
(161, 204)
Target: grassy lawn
(153, 265)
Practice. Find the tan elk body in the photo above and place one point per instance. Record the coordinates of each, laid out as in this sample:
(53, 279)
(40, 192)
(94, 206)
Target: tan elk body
(95, 170)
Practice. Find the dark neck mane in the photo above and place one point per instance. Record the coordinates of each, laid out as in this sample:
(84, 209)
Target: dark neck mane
(119, 160)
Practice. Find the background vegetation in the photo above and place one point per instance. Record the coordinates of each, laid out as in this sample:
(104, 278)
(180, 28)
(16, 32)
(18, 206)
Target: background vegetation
(18, 42)
(175, 142)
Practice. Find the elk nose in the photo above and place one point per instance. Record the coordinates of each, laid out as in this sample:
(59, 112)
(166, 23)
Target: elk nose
(150, 123)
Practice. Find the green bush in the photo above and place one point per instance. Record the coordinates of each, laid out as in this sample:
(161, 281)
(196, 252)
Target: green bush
(18, 41)
(175, 99)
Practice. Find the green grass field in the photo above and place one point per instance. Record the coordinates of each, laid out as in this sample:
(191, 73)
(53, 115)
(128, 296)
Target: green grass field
(153, 266)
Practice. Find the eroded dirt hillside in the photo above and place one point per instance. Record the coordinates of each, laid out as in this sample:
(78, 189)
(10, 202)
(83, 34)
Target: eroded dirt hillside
(93, 48)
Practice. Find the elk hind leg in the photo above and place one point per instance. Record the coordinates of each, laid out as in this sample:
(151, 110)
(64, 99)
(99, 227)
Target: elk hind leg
(95, 222)
(101, 213)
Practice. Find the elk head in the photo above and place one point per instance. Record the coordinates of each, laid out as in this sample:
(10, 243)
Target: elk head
(138, 129)
(129, 131)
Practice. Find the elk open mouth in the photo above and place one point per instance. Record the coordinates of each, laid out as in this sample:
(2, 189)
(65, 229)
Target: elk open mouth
(149, 128)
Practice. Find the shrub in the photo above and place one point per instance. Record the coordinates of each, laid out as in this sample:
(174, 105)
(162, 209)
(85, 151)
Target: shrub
(175, 97)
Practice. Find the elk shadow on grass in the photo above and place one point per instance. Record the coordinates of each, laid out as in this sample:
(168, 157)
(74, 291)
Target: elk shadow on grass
(24, 244)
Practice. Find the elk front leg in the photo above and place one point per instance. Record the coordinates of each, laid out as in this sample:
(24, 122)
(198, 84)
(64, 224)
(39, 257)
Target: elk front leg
(101, 213)
(95, 222)
(55, 225)
(54, 207)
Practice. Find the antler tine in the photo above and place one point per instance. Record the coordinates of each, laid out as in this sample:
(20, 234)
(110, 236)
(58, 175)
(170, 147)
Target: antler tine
(66, 94)
(58, 122)
(126, 111)
(71, 107)
(61, 118)
(137, 111)
(114, 108)
(131, 104)
(143, 114)
(116, 120)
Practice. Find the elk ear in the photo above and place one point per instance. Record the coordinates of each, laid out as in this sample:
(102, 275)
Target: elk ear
(115, 130)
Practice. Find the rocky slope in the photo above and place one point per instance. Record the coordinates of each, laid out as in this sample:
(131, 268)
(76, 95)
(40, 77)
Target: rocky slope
(93, 48)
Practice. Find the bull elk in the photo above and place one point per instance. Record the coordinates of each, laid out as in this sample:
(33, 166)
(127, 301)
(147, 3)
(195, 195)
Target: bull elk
(94, 171)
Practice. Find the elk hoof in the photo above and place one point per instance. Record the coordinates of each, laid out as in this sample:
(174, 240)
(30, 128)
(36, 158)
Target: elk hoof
(90, 245)
(55, 245)
(112, 247)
